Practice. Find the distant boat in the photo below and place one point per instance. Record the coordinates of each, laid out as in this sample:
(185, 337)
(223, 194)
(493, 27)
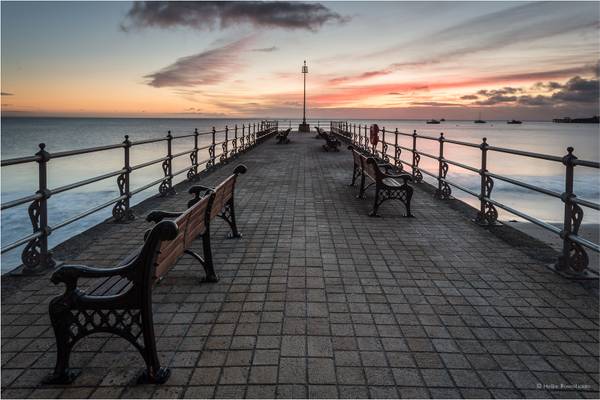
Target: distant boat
(480, 121)
(433, 121)
(514, 121)
(443, 120)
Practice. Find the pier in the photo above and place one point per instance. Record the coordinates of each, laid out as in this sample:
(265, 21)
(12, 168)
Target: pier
(319, 300)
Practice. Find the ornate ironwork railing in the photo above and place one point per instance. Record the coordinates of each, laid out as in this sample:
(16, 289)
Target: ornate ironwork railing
(36, 254)
(573, 260)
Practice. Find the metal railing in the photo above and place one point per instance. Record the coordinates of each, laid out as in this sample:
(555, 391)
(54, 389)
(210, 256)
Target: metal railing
(573, 259)
(36, 254)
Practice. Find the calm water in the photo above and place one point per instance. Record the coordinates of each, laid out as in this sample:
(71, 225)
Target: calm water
(20, 137)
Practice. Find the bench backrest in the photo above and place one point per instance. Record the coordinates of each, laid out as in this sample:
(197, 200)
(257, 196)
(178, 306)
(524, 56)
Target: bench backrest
(355, 157)
(369, 167)
(190, 224)
(223, 193)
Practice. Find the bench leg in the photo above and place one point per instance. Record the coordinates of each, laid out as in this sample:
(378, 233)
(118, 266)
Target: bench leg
(376, 204)
(409, 193)
(355, 173)
(228, 215)
(361, 192)
(209, 270)
(61, 317)
(153, 373)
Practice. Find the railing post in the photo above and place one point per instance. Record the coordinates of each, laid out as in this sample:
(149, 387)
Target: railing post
(234, 141)
(254, 134)
(574, 259)
(248, 136)
(166, 186)
(224, 151)
(397, 151)
(359, 138)
(416, 172)
(384, 146)
(243, 138)
(192, 174)
(35, 255)
(121, 210)
(211, 150)
(487, 215)
(443, 191)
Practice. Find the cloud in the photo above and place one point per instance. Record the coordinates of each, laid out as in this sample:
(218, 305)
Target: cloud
(435, 104)
(496, 99)
(549, 86)
(6, 94)
(206, 68)
(538, 100)
(360, 77)
(498, 96)
(575, 90)
(578, 90)
(266, 49)
(469, 97)
(491, 32)
(210, 15)
(499, 92)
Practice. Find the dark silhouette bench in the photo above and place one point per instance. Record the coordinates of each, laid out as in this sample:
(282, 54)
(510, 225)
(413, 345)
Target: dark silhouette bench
(121, 301)
(331, 143)
(386, 185)
(282, 137)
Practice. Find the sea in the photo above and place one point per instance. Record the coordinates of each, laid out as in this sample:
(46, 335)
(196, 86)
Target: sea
(21, 136)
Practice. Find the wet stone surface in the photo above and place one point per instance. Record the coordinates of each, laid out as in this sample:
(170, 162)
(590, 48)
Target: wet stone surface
(319, 300)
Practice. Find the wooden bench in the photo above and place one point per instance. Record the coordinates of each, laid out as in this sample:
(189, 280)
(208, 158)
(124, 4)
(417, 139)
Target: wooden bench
(386, 185)
(121, 302)
(282, 137)
(331, 143)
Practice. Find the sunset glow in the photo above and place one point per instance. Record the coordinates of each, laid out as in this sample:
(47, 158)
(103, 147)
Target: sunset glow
(388, 59)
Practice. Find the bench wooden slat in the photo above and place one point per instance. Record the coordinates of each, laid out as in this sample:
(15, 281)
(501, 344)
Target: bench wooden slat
(104, 286)
(121, 285)
(196, 224)
(223, 193)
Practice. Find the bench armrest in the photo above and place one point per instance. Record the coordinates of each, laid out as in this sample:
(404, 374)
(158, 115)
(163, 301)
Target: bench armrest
(405, 177)
(69, 274)
(158, 215)
(197, 189)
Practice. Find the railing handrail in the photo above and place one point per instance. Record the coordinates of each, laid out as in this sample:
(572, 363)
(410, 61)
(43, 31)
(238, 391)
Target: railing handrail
(573, 257)
(36, 252)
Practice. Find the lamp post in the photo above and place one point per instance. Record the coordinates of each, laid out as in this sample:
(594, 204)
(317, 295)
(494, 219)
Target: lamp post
(304, 127)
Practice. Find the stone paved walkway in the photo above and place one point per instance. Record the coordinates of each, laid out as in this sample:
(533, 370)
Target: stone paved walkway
(319, 300)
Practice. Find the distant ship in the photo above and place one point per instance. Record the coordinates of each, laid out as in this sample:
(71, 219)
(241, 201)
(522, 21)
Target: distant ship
(442, 120)
(514, 121)
(433, 121)
(567, 120)
(480, 121)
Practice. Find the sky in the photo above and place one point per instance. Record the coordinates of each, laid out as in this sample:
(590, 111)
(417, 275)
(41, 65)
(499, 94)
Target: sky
(380, 60)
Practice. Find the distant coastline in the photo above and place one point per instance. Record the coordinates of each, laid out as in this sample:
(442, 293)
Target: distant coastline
(568, 120)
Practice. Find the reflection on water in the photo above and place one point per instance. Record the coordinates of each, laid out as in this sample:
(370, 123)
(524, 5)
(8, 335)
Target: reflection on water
(21, 136)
